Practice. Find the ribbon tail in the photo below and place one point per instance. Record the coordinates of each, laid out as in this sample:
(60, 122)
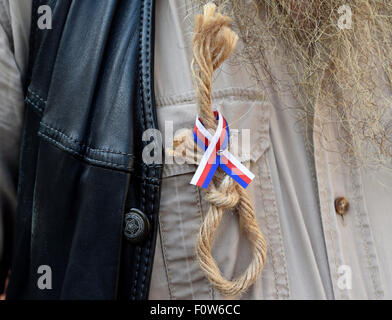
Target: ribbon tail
(236, 170)
(203, 177)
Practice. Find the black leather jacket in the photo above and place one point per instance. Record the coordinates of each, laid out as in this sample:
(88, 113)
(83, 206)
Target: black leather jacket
(89, 98)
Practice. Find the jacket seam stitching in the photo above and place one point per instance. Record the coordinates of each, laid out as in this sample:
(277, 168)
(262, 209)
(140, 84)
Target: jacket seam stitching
(92, 160)
(139, 250)
(36, 95)
(81, 144)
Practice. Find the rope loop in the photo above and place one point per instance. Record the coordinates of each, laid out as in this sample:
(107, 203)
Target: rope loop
(213, 42)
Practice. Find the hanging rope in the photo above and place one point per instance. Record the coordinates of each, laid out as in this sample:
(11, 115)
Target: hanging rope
(213, 42)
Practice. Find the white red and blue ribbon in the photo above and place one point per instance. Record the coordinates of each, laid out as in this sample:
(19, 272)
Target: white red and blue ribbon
(217, 155)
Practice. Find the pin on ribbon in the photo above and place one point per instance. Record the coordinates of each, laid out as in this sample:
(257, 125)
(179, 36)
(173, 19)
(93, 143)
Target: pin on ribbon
(217, 155)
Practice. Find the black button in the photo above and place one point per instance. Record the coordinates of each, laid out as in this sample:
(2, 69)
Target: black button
(137, 226)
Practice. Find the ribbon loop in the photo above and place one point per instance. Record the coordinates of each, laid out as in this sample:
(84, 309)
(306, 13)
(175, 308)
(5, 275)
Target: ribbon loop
(217, 155)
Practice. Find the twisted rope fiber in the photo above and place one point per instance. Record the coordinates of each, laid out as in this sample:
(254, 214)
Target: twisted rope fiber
(213, 42)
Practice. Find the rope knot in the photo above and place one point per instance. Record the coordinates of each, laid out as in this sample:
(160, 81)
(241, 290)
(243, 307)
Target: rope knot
(225, 196)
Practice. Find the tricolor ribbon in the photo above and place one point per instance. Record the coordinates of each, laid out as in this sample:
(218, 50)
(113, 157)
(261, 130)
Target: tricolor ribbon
(217, 155)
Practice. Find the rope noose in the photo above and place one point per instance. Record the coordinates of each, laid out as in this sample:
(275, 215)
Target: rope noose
(213, 42)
